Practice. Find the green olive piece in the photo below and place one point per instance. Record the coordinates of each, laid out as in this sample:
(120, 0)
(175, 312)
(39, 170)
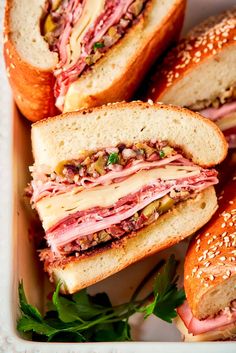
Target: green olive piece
(166, 203)
(99, 165)
(143, 146)
(49, 25)
(60, 167)
(167, 151)
(151, 208)
(103, 236)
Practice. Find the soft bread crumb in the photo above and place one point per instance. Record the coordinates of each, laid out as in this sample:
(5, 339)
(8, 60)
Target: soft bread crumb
(62, 137)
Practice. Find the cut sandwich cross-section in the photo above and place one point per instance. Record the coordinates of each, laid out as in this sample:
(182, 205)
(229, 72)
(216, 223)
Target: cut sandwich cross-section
(83, 53)
(98, 192)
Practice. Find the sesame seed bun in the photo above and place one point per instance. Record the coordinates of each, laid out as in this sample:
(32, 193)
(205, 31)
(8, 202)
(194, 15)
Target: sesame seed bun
(209, 50)
(209, 270)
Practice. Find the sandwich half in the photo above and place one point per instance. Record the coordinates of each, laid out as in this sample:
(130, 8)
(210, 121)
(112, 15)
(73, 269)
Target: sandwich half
(200, 73)
(209, 313)
(63, 55)
(117, 183)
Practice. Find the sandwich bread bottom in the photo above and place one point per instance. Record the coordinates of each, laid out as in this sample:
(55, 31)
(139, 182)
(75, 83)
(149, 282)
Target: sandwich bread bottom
(181, 221)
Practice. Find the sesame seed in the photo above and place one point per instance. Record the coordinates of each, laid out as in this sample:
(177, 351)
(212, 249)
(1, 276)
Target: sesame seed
(222, 258)
(207, 234)
(207, 264)
(231, 224)
(206, 284)
(231, 202)
(228, 273)
(224, 234)
(225, 277)
(211, 277)
(223, 225)
(12, 65)
(198, 241)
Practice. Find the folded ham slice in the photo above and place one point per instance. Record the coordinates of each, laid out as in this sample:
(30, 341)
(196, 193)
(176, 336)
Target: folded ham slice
(196, 327)
(216, 113)
(51, 188)
(63, 234)
(70, 68)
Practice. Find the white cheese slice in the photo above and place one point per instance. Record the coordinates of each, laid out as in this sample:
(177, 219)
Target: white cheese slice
(55, 208)
(91, 10)
(227, 122)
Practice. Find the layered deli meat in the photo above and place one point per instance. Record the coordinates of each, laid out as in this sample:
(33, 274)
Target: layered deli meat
(81, 32)
(219, 322)
(109, 193)
(221, 110)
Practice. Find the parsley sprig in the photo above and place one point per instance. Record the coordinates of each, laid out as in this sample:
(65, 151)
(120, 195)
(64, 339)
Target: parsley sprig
(84, 318)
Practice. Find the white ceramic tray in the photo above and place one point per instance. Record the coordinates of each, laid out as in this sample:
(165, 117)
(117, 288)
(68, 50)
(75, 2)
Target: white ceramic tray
(19, 261)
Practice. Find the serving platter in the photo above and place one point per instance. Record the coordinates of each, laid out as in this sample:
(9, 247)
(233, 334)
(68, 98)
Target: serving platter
(18, 259)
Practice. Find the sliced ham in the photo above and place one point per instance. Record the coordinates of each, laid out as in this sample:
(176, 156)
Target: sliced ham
(51, 188)
(196, 327)
(114, 11)
(66, 234)
(216, 113)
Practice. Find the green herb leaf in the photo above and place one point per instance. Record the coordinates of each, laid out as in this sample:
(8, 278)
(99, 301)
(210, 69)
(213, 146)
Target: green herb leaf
(166, 309)
(98, 45)
(26, 324)
(67, 309)
(167, 297)
(26, 308)
(118, 331)
(161, 154)
(86, 306)
(81, 317)
(67, 337)
(113, 158)
(101, 299)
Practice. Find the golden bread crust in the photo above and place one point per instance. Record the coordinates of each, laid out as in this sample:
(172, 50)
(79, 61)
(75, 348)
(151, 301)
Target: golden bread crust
(205, 40)
(210, 260)
(33, 87)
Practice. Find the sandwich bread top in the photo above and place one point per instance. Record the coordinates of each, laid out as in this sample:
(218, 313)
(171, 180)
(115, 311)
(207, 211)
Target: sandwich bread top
(215, 39)
(62, 137)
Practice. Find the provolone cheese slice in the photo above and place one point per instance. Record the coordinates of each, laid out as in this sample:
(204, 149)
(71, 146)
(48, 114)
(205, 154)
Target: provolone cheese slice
(92, 9)
(55, 208)
(227, 122)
